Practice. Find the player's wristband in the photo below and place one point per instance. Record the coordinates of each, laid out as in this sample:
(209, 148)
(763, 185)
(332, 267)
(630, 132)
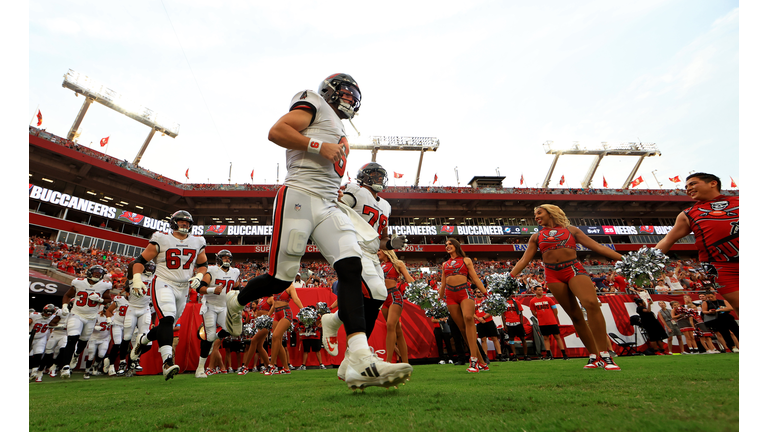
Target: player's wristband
(314, 146)
(389, 245)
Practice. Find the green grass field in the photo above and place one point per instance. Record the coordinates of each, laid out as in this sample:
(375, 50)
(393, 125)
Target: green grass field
(676, 393)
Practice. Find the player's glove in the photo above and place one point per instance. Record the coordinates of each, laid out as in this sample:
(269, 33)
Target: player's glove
(109, 320)
(398, 242)
(95, 297)
(65, 310)
(194, 281)
(138, 288)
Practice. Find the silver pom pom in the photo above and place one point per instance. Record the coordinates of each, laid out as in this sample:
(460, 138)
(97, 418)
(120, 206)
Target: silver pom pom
(645, 265)
(262, 322)
(249, 330)
(439, 310)
(322, 308)
(307, 316)
(420, 294)
(494, 304)
(502, 284)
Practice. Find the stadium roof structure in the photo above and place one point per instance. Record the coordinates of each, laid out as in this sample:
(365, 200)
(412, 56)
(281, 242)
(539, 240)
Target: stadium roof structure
(641, 150)
(97, 92)
(401, 143)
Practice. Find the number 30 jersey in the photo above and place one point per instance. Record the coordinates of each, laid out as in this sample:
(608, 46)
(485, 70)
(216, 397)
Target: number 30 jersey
(227, 279)
(84, 307)
(176, 258)
(310, 171)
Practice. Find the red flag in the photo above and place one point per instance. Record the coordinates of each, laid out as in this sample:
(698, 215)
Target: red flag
(398, 175)
(521, 179)
(435, 180)
(252, 174)
(562, 180)
(637, 181)
(733, 183)
(605, 183)
(104, 141)
(675, 179)
(186, 174)
(39, 118)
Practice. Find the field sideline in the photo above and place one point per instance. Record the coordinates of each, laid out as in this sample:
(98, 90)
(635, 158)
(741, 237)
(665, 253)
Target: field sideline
(653, 393)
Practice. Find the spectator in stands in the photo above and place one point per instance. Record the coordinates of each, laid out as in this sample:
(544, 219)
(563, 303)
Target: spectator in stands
(661, 287)
(671, 327)
(721, 321)
(297, 282)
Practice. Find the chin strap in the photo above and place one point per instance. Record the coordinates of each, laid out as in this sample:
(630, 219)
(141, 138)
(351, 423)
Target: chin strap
(353, 126)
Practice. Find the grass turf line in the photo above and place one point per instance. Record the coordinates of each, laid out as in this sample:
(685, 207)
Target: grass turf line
(680, 393)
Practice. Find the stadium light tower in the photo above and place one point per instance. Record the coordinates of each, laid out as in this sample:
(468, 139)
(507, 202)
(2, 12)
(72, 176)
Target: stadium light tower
(96, 92)
(642, 150)
(420, 144)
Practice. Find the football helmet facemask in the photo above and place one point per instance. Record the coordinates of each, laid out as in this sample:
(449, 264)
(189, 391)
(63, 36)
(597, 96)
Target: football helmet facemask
(337, 85)
(181, 215)
(220, 262)
(95, 273)
(149, 268)
(372, 175)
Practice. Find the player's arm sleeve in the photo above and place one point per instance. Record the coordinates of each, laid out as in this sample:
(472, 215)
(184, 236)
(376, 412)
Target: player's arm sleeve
(306, 100)
(349, 199)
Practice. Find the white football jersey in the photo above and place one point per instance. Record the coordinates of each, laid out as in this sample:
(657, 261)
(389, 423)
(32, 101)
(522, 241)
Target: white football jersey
(62, 322)
(85, 308)
(374, 210)
(40, 324)
(119, 313)
(102, 330)
(176, 259)
(228, 279)
(310, 171)
(143, 301)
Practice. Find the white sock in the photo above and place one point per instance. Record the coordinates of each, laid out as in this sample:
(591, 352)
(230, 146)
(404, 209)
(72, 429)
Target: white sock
(201, 362)
(165, 352)
(604, 354)
(592, 356)
(357, 342)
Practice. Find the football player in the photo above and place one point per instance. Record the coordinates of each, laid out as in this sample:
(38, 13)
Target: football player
(57, 341)
(97, 346)
(117, 311)
(305, 207)
(218, 281)
(41, 323)
(138, 316)
(89, 294)
(364, 200)
(180, 265)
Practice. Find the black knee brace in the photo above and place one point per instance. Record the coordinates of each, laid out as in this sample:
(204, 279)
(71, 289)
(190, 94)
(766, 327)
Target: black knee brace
(164, 331)
(350, 294)
(261, 286)
(372, 308)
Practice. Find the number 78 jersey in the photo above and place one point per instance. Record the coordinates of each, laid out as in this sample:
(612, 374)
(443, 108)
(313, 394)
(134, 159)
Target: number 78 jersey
(374, 210)
(176, 258)
(227, 279)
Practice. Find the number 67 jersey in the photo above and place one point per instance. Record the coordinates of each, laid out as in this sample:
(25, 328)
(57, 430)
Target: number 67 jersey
(176, 258)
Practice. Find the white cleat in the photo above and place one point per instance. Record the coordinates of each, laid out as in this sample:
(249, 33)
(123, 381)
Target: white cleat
(234, 321)
(111, 370)
(342, 371)
(106, 365)
(52, 371)
(200, 373)
(65, 372)
(366, 369)
(136, 351)
(39, 376)
(330, 335)
(74, 361)
(169, 371)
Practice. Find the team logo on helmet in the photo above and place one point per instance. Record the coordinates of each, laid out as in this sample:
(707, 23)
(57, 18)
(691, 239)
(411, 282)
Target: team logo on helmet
(372, 175)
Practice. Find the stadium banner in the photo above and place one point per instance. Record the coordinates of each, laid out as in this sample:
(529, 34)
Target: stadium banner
(42, 284)
(417, 330)
(82, 204)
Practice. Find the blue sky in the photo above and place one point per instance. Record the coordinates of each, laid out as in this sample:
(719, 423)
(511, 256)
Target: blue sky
(492, 80)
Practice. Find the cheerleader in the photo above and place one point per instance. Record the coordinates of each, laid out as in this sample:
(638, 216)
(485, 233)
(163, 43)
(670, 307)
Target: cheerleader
(392, 308)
